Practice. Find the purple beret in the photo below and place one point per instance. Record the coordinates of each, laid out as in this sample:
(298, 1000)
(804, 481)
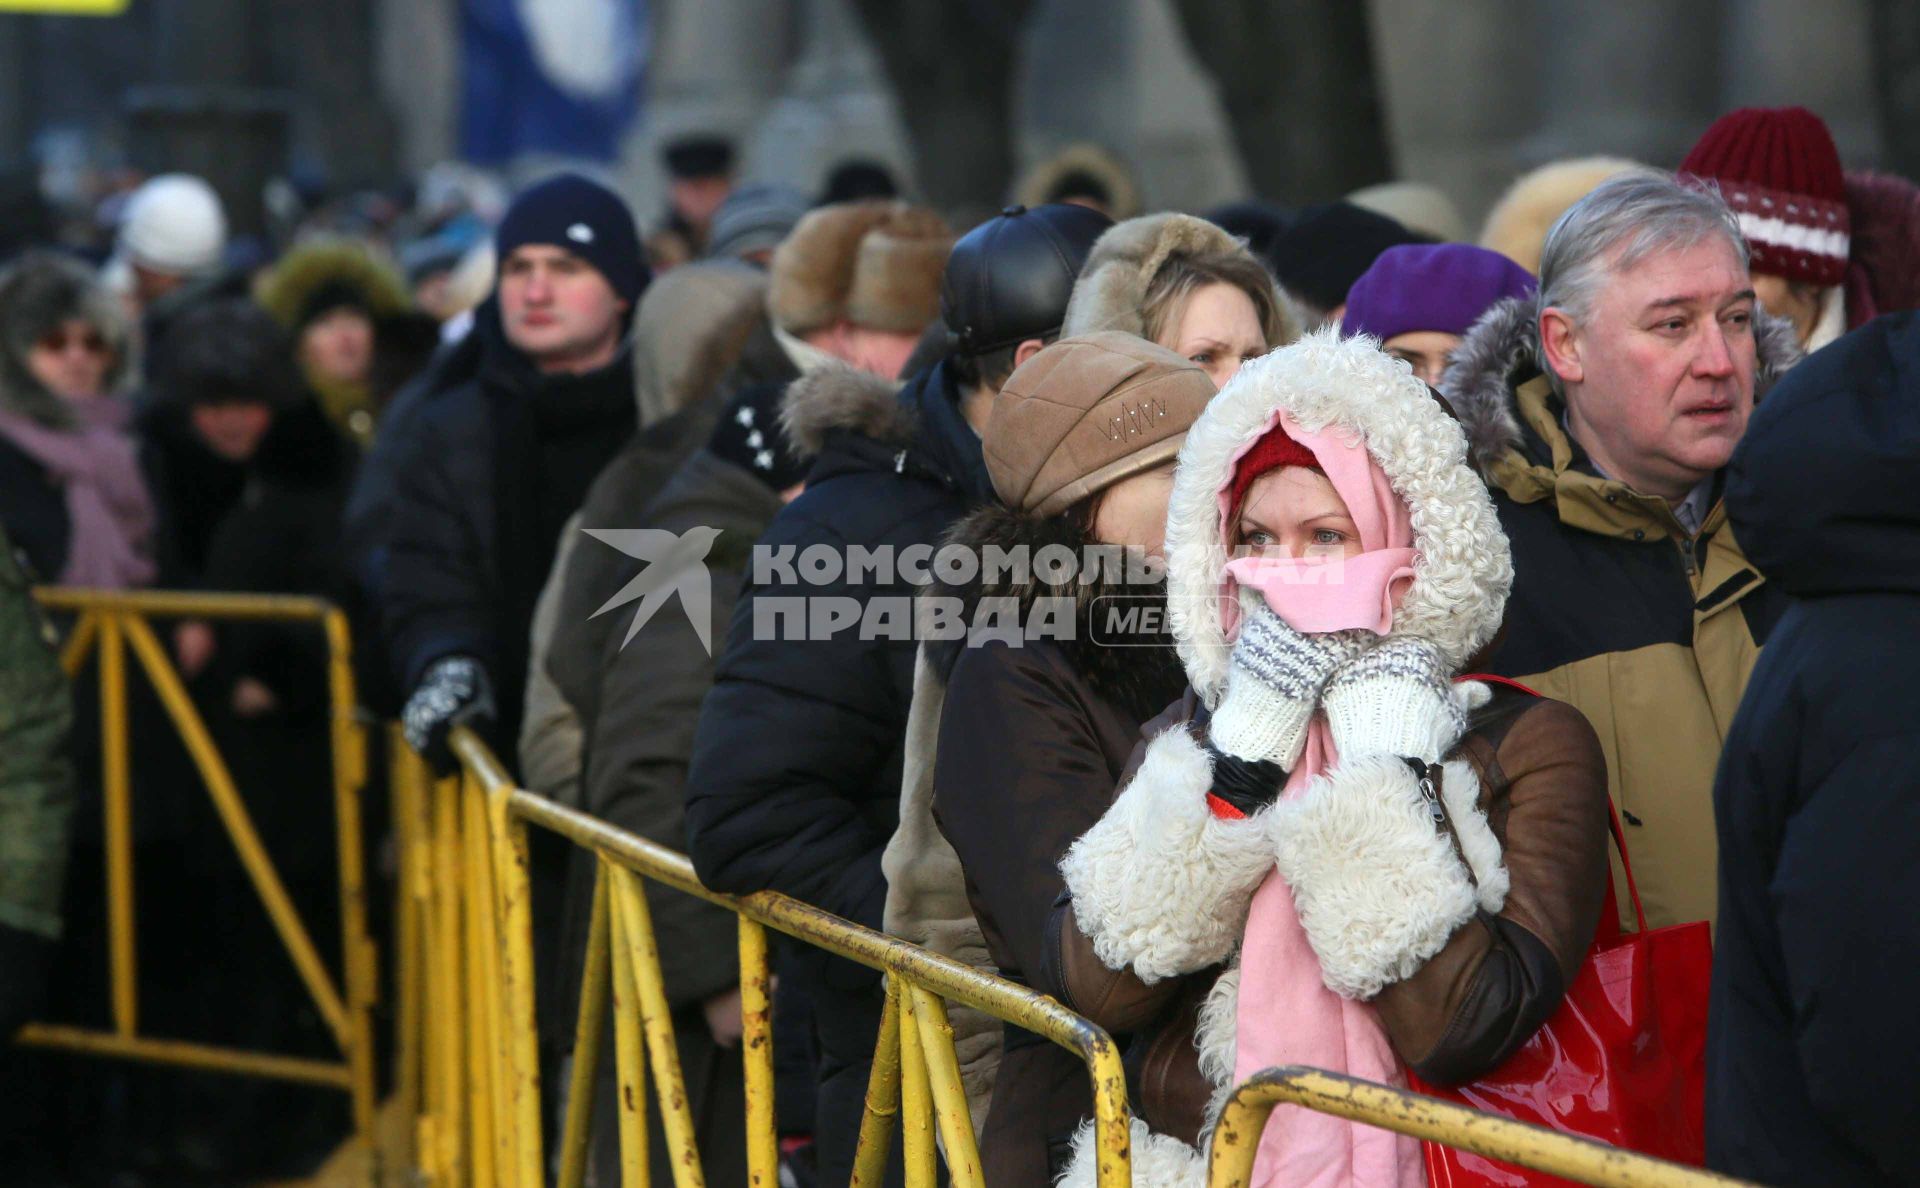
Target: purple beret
(1440, 286)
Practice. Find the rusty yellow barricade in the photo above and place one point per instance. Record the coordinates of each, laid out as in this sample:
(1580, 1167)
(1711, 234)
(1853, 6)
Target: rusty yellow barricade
(469, 1067)
(109, 624)
(1237, 1137)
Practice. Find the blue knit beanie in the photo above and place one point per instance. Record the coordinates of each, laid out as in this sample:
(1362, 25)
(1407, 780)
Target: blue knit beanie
(584, 217)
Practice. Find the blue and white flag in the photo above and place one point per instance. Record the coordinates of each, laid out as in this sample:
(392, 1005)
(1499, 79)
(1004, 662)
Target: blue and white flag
(559, 77)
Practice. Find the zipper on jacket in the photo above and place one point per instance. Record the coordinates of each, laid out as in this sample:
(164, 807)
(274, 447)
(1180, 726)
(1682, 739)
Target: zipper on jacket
(1428, 776)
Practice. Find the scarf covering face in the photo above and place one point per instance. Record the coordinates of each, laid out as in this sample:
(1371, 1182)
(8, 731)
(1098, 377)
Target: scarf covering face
(1320, 594)
(109, 513)
(1285, 1014)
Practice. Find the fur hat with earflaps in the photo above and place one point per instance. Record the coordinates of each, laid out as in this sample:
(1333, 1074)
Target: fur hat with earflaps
(875, 264)
(1121, 268)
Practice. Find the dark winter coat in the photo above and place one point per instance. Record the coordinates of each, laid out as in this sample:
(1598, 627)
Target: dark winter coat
(368, 526)
(1032, 743)
(1812, 1037)
(1614, 609)
(269, 524)
(618, 498)
(796, 770)
(700, 334)
(489, 474)
(638, 742)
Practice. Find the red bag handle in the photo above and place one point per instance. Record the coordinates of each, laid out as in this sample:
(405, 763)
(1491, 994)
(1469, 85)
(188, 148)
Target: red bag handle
(1613, 814)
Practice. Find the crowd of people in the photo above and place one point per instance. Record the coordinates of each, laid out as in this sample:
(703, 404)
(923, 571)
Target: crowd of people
(1392, 562)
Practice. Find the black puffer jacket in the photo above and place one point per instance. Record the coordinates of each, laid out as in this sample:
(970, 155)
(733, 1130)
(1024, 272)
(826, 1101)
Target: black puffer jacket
(795, 781)
(1813, 1037)
(487, 477)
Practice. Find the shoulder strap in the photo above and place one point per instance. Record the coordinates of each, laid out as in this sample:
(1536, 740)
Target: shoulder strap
(1613, 814)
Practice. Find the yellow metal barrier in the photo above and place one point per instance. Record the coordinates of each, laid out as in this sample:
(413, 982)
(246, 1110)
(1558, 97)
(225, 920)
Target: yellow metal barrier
(478, 1115)
(109, 623)
(1237, 1137)
(467, 1054)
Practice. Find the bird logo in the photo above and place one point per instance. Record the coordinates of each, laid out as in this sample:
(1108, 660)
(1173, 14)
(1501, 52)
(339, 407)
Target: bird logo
(676, 564)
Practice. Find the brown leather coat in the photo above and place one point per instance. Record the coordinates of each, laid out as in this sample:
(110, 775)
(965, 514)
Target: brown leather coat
(1543, 789)
(1032, 742)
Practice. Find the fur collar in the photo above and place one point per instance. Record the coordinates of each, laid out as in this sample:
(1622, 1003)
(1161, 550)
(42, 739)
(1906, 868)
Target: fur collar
(1462, 568)
(1142, 680)
(1501, 352)
(837, 398)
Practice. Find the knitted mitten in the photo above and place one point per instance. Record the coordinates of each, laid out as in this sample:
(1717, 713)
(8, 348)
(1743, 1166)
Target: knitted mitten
(1273, 684)
(1394, 699)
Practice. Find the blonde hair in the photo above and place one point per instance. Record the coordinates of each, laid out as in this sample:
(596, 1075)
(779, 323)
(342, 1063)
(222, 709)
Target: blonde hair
(1182, 276)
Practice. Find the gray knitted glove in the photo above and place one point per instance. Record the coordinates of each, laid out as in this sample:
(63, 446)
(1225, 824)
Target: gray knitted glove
(1394, 699)
(1273, 684)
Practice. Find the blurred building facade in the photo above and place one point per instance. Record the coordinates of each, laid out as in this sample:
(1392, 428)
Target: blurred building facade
(1475, 91)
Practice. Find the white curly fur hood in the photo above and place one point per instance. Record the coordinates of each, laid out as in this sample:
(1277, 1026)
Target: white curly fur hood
(1463, 569)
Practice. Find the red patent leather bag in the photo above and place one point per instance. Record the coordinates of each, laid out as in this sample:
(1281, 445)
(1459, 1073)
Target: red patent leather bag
(1622, 1061)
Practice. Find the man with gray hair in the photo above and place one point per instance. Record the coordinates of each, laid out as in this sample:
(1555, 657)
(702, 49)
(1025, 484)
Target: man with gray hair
(1603, 413)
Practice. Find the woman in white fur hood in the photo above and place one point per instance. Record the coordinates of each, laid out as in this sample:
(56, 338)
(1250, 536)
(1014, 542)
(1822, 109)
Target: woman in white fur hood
(1332, 852)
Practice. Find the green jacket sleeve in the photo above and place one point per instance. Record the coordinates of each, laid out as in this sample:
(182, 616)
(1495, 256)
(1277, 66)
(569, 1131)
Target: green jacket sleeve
(36, 766)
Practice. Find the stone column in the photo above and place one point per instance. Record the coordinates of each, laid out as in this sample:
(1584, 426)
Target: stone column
(1461, 85)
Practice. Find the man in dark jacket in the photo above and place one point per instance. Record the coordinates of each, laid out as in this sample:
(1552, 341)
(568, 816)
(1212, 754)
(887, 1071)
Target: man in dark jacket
(1812, 1038)
(796, 772)
(495, 467)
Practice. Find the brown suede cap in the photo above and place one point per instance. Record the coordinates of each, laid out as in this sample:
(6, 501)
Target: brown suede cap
(1085, 413)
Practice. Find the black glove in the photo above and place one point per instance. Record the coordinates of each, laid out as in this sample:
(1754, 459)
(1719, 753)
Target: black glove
(1247, 784)
(454, 691)
(26, 958)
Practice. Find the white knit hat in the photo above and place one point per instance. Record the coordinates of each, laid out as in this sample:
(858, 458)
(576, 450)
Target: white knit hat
(174, 224)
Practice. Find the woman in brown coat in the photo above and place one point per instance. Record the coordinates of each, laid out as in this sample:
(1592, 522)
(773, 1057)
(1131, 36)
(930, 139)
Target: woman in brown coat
(1330, 852)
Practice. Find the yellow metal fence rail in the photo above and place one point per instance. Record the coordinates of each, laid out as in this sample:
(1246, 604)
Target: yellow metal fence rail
(109, 624)
(469, 1004)
(472, 1047)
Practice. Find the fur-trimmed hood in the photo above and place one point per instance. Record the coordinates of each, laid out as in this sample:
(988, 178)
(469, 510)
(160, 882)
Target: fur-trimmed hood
(837, 398)
(331, 265)
(1502, 351)
(1462, 566)
(846, 419)
(1142, 679)
(37, 293)
(1121, 267)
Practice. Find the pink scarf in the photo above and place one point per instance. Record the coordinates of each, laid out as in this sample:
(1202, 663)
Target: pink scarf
(1286, 1014)
(109, 515)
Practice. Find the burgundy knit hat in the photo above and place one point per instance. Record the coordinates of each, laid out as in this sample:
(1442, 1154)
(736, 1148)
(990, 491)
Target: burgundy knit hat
(1276, 450)
(1778, 169)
